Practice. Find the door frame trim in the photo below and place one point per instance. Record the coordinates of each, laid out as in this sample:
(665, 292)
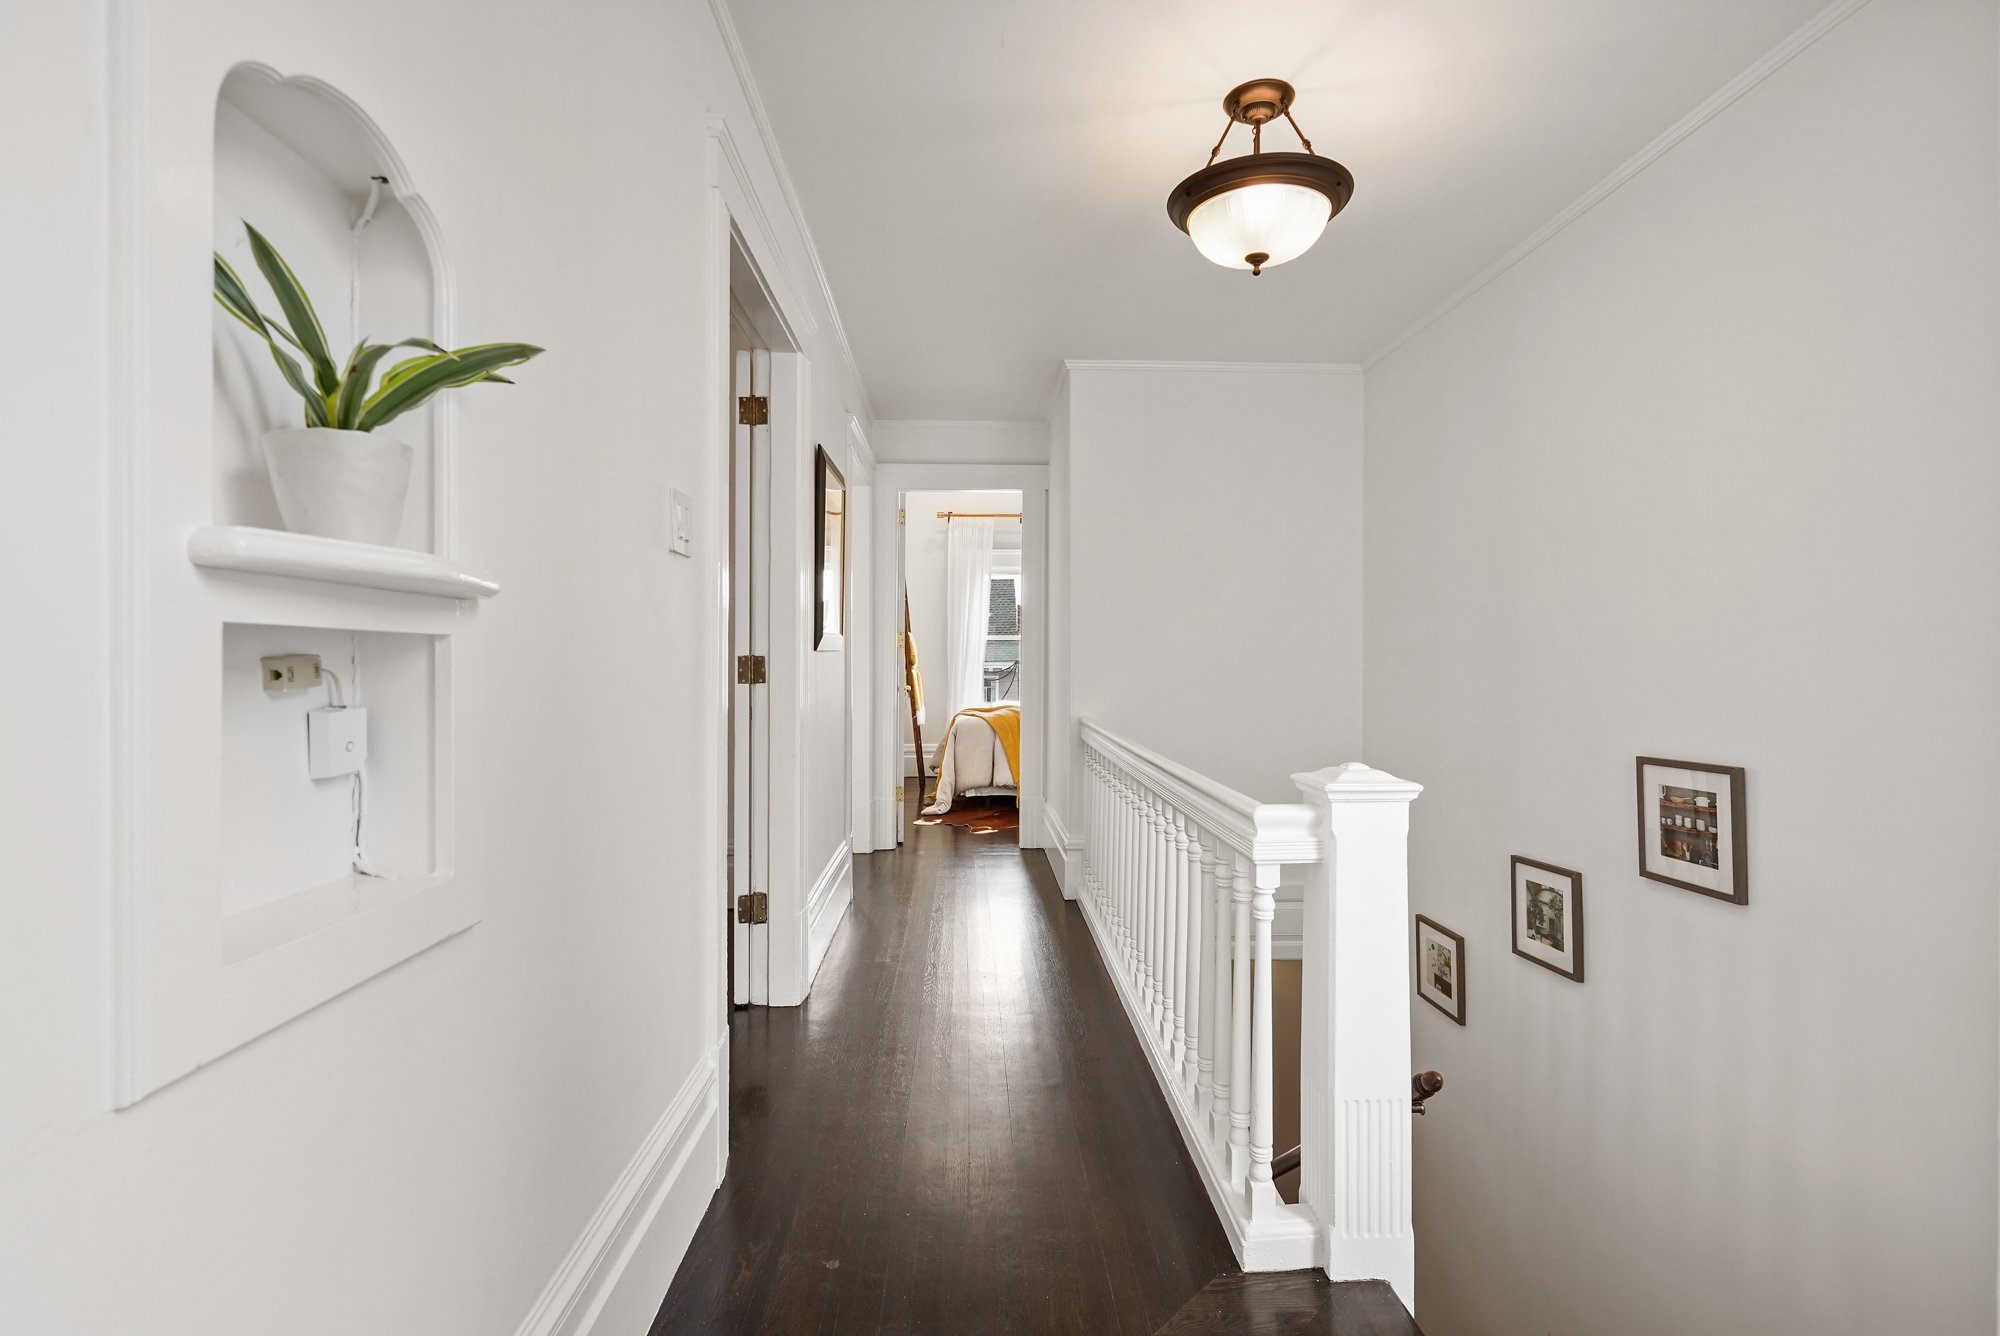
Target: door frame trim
(892, 481)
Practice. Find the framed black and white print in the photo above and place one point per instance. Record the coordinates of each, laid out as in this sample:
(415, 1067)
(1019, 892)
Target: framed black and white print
(1693, 827)
(1548, 916)
(1441, 968)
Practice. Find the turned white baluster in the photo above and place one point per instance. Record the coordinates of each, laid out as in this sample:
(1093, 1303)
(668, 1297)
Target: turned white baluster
(1156, 936)
(1221, 910)
(1263, 909)
(1239, 1071)
(1173, 1017)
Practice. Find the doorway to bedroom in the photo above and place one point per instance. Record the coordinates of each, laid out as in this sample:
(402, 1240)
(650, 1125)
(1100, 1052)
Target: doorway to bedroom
(964, 596)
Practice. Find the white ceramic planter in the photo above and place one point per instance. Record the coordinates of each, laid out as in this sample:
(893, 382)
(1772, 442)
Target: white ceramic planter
(339, 484)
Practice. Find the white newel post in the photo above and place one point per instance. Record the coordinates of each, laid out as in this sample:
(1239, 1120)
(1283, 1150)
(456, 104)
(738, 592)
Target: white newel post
(1355, 1063)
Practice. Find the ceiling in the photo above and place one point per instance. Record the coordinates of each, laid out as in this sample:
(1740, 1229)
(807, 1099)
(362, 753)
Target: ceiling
(987, 179)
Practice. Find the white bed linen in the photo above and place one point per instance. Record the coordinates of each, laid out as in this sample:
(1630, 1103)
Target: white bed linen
(972, 762)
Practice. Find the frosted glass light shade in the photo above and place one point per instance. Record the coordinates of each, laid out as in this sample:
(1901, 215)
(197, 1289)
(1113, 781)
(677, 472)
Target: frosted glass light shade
(1276, 219)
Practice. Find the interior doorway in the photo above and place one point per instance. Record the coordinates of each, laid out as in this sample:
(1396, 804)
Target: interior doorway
(963, 601)
(755, 334)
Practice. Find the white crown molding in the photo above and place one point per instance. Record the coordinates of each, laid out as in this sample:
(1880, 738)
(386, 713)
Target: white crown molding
(1034, 424)
(1070, 364)
(740, 62)
(1769, 64)
(1294, 368)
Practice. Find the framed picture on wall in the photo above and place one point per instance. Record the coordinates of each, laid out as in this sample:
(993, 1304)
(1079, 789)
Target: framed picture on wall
(1548, 916)
(829, 553)
(1693, 828)
(1441, 968)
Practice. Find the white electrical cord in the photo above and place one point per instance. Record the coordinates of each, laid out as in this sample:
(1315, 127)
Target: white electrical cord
(336, 696)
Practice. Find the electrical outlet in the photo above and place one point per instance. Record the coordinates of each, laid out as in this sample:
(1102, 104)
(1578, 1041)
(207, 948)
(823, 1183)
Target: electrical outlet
(290, 672)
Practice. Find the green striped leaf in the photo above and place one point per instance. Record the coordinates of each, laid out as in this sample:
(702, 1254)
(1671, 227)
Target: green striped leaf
(234, 298)
(413, 382)
(360, 370)
(306, 333)
(316, 411)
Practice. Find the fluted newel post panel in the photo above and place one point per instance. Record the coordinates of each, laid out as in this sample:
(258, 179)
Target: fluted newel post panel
(1355, 1059)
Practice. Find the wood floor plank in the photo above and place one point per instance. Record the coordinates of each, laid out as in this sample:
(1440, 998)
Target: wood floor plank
(957, 1133)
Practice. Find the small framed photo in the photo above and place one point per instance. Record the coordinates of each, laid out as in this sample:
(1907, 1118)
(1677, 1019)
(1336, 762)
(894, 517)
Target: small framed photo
(1548, 916)
(1693, 828)
(1441, 968)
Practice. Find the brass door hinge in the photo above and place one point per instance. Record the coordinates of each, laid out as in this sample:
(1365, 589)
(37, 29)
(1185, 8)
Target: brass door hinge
(901, 516)
(899, 793)
(754, 907)
(750, 670)
(753, 410)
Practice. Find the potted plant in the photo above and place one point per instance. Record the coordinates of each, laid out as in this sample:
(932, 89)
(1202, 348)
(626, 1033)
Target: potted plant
(333, 476)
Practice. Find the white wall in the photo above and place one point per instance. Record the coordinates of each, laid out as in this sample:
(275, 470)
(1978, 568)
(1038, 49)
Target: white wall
(904, 441)
(1712, 475)
(438, 1138)
(1211, 537)
(924, 577)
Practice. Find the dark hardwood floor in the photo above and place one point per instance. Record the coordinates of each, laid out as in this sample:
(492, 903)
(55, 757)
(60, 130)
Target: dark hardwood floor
(957, 1133)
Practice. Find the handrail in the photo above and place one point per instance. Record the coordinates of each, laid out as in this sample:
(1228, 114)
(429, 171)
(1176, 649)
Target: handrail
(1265, 832)
(1178, 882)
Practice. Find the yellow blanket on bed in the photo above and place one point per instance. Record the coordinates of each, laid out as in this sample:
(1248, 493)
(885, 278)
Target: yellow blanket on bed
(1005, 720)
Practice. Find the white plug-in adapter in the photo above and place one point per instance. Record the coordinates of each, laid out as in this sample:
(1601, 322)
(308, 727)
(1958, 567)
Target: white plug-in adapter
(336, 740)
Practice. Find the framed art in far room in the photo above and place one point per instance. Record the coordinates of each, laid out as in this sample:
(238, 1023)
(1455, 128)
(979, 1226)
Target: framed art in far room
(1694, 831)
(1441, 968)
(1547, 911)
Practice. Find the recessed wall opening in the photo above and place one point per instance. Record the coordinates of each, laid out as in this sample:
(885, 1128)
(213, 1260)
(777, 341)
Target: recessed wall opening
(295, 163)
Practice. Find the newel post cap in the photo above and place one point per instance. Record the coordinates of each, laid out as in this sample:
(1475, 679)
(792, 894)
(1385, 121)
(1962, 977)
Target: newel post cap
(1356, 782)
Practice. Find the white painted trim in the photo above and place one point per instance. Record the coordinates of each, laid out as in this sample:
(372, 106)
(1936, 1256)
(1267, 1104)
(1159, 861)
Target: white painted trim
(725, 26)
(826, 909)
(582, 1286)
(1064, 849)
(1771, 62)
(1281, 368)
(954, 423)
(968, 477)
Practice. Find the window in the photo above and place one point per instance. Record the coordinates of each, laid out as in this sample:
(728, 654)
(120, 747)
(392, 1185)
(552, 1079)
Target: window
(1003, 637)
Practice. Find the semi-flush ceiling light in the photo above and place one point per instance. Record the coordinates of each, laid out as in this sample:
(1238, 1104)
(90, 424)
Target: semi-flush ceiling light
(1266, 208)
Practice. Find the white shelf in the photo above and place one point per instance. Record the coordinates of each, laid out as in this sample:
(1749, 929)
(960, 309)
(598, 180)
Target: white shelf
(300, 556)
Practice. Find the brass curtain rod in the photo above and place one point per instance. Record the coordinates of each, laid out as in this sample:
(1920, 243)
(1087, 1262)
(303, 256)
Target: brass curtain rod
(979, 514)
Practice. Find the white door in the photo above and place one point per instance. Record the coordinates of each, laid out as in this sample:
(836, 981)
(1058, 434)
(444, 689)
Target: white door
(750, 737)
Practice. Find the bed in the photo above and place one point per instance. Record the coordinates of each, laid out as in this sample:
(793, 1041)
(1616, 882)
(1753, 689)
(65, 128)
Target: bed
(975, 760)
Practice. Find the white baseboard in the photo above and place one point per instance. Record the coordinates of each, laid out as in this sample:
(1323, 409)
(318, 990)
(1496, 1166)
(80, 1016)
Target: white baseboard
(618, 1272)
(1065, 850)
(826, 907)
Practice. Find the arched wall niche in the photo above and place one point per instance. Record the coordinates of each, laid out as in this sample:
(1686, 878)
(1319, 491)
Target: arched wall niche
(299, 159)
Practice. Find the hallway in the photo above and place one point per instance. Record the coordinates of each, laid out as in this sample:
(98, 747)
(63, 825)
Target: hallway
(958, 1133)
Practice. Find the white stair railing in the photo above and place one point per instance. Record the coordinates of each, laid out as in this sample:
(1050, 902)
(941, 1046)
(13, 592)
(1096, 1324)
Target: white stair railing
(1180, 879)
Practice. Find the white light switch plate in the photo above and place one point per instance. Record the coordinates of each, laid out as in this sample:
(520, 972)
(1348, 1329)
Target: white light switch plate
(680, 521)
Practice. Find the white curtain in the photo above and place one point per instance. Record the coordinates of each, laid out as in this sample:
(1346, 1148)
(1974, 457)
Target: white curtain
(968, 561)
